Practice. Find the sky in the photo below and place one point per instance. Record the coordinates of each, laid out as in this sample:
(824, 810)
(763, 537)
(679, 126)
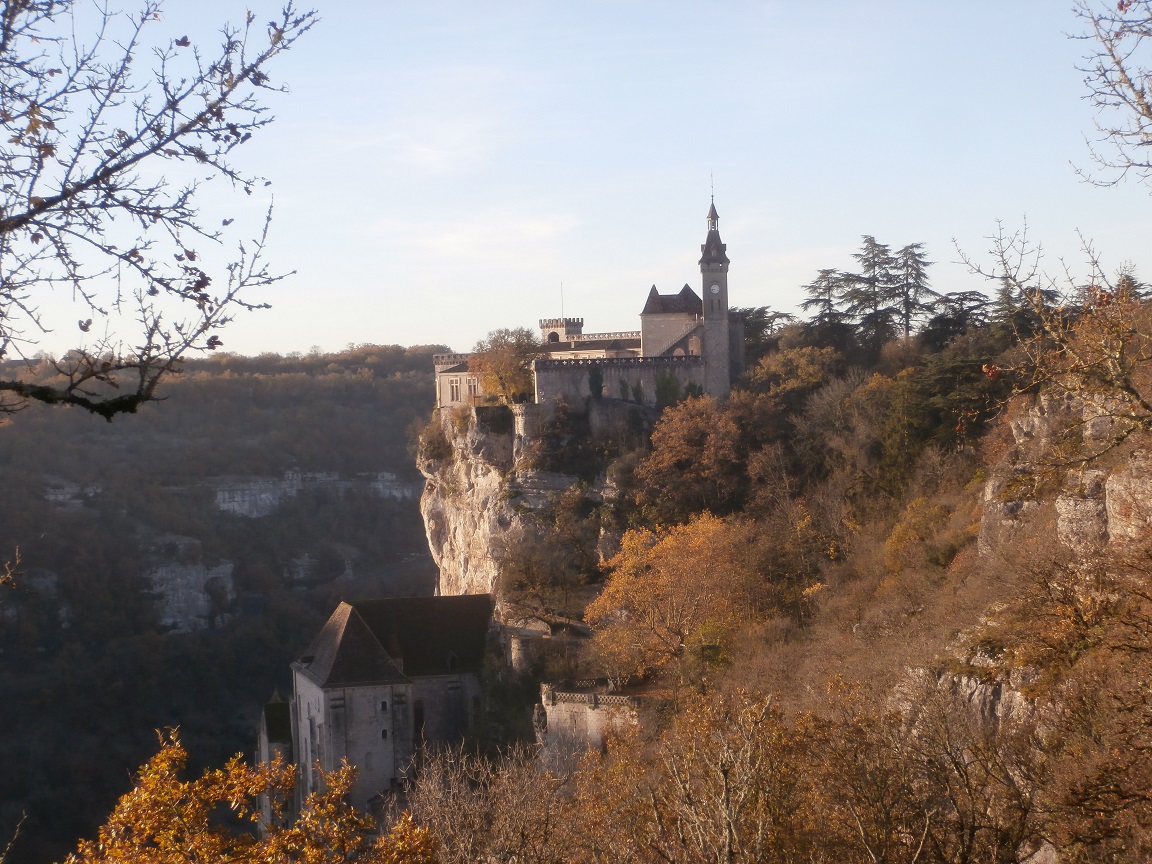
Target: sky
(442, 169)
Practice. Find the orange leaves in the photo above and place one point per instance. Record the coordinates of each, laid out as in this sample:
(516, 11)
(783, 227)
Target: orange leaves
(167, 820)
(671, 591)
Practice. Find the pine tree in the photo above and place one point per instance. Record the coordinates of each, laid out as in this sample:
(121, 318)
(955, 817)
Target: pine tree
(910, 280)
(871, 294)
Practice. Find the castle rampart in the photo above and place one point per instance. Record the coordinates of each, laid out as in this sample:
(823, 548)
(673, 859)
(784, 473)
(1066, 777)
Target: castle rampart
(644, 380)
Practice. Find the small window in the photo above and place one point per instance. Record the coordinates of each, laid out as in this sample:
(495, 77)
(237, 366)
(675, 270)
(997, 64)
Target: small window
(452, 663)
(383, 733)
(383, 706)
(453, 389)
(473, 389)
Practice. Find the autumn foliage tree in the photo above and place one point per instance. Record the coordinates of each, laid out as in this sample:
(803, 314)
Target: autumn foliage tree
(165, 819)
(503, 360)
(104, 152)
(675, 596)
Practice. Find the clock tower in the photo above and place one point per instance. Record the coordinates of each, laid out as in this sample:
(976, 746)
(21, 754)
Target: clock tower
(717, 344)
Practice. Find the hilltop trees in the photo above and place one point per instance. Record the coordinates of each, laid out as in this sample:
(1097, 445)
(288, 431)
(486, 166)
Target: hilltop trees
(885, 297)
(104, 149)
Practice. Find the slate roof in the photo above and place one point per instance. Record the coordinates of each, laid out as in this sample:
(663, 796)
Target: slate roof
(388, 641)
(685, 301)
(713, 251)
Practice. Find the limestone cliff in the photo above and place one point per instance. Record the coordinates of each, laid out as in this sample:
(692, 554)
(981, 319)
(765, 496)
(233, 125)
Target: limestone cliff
(476, 496)
(1107, 501)
(487, 486)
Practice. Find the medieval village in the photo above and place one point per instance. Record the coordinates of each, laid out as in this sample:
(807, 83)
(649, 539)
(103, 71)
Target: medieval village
(817, 533)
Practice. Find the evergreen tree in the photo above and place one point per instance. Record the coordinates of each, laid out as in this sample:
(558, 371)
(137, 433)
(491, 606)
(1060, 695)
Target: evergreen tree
(828, 325)
(871, 294)
(910, 280)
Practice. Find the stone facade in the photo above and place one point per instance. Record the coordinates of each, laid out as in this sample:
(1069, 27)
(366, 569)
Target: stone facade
(383, 680)
(577, 716)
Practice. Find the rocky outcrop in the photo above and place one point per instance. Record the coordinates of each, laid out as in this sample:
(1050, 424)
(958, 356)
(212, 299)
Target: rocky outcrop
(1106, 504)
(191, 595)
(262, 496)
(479, 495)
(483, 492)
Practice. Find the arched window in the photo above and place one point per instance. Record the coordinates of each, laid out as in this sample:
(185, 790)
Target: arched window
(553, 336)
(383, 706)
(383, 733)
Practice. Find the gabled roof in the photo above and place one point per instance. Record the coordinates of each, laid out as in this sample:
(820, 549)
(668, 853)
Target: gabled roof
(391, 640)
(684, 302)
(347, 652)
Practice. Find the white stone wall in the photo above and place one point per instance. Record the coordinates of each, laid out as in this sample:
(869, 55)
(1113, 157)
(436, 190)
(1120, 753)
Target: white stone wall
(347, 723)
(569, 723)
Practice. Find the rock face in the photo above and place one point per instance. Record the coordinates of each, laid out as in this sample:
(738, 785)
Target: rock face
(1094, 507)
(262, 496)
(191, 595)
(482, 491)
(478, 495)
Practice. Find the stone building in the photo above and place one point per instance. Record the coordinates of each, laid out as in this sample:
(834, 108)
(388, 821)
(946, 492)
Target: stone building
(684, 344)
(574, 716)
(382, 680)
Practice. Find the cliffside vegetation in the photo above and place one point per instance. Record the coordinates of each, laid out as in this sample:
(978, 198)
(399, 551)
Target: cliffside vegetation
(841, 675)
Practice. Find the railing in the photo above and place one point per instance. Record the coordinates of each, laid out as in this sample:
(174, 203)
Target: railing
(688, 328)
(685, 360)
(591, 337)
(449, 359)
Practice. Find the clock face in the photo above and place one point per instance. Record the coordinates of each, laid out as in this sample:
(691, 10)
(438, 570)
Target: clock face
(715, 288)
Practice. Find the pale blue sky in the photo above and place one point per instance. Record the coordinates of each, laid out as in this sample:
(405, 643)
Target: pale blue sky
(440, 168)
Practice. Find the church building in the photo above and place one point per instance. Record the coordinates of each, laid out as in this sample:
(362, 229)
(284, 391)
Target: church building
(687, 342)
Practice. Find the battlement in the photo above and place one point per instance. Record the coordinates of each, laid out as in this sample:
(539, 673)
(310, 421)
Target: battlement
(595, 337)
(562, 323)
(443, 361)
(620, 362)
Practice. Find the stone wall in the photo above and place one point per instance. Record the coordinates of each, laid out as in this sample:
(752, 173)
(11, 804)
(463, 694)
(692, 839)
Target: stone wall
(631, 379)
(378, 728)
(572, 719)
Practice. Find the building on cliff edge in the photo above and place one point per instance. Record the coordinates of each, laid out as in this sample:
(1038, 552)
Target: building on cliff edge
(381, 681)
(684, 344)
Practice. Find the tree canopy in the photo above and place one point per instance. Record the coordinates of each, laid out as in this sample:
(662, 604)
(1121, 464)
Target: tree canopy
(503, 360)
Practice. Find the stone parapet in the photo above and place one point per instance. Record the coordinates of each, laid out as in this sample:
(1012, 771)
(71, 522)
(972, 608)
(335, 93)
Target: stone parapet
(617, 362)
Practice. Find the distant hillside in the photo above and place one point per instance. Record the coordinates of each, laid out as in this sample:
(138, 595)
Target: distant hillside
(173, 561)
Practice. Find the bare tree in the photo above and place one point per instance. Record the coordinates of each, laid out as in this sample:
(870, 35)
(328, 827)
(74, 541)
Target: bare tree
(110, 127)
(1087, 341)
(1119, 85)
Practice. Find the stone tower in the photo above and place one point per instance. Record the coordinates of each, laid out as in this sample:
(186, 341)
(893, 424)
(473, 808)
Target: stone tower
(717, 345)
